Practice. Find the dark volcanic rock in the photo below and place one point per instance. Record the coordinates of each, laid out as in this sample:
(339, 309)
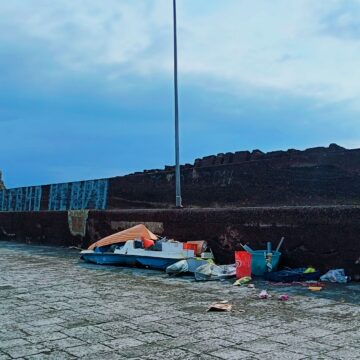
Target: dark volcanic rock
(316, 176)
(324, 237)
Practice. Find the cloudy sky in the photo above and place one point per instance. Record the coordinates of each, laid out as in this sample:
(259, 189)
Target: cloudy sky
(86, 86)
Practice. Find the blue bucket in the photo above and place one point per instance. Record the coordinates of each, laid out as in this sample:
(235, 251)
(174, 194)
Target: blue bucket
(258, 262)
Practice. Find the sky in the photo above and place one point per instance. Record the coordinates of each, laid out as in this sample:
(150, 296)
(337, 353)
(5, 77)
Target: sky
(86, 86)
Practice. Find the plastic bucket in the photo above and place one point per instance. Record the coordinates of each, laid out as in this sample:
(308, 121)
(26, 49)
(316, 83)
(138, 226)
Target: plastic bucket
(258, 264)
(243, 264)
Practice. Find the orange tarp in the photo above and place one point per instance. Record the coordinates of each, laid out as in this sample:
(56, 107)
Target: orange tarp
(135, 232)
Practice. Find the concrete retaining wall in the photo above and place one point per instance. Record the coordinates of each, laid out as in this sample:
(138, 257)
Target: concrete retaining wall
(325, 237)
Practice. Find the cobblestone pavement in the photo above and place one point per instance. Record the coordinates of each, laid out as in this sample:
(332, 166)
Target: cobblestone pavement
(54, 307)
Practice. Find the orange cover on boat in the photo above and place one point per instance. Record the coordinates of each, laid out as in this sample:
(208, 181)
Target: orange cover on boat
(135, 232)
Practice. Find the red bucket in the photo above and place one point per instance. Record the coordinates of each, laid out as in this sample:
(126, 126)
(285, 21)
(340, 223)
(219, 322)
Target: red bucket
(243, 264)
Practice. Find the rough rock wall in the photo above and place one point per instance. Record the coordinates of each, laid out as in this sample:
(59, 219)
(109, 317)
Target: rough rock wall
(325, 237)
(317, 176)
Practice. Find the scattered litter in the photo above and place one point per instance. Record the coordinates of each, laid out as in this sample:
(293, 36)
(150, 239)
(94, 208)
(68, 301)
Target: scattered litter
(293, 275)
(187, 266)
(220, 306)
(264, 295)
(244, 280)
(297, 283)
(315, 288)
(178, 268)
(215, 272)
(309, 270)
(284, 297)
(251, 286)
(335, 276)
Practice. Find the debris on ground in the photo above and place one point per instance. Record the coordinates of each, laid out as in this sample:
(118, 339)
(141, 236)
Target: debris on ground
(284, 297)
(187, 266)
(335, 276)
(242, 281)
(215, 272)
(310, 270)
(293, 275)
(220, 306)
(315, 288)
(264, 295)
(297, 283)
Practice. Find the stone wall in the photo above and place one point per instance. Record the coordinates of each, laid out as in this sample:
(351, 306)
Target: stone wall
(317, 176)
(325, 237)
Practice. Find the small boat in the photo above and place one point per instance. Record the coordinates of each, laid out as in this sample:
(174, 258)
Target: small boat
(132, 254)
(139, 247)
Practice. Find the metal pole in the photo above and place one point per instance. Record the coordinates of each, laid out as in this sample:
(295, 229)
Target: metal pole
(177, 142)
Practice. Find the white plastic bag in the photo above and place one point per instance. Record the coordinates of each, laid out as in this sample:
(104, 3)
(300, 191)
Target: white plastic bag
(335, 276)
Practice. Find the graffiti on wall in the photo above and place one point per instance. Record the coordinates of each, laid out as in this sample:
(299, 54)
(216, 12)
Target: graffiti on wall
(21, 199)
(68, 196)
(79, 195)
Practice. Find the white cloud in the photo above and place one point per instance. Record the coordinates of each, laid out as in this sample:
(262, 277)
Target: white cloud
(274, 45)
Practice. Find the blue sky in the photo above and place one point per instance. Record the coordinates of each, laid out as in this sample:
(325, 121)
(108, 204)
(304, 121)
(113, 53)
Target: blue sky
(86, 86)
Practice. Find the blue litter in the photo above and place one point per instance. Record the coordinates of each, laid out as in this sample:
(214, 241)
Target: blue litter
(335, 276)
(291, 275)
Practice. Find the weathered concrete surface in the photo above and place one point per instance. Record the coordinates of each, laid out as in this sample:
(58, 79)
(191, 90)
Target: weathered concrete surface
(54, 307)
(324, 237)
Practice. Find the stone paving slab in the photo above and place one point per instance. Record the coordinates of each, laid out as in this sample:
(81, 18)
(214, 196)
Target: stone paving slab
(53, 306)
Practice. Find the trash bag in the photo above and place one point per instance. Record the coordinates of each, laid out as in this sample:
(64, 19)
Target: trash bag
(195, 263)
(335, 276)
(215, 272)
(291, 275)
(188, 265)
(177, 268)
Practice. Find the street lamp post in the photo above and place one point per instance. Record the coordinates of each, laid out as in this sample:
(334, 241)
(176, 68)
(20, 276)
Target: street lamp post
(177, 142)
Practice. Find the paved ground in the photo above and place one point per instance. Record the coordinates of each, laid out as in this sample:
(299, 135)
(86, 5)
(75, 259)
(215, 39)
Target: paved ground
(54, 307)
